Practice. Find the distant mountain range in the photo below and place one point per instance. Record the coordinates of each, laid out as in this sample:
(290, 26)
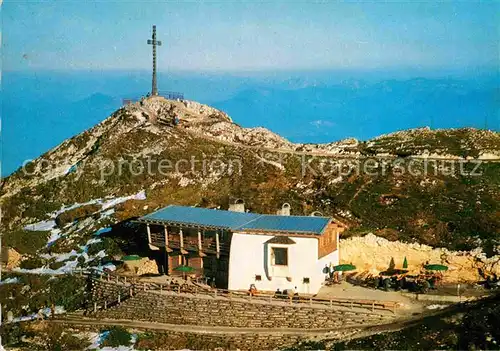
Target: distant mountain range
(326, 113)
(40, 110)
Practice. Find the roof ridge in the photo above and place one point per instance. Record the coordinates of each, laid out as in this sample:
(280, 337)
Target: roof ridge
(250, 221)
(296, 216)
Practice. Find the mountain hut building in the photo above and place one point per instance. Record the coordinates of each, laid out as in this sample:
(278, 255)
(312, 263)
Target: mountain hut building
(236, 249)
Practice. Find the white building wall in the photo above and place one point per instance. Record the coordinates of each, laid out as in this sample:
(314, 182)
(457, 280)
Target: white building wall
(250, 256)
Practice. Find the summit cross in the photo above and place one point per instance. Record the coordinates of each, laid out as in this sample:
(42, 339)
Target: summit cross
(154, 42)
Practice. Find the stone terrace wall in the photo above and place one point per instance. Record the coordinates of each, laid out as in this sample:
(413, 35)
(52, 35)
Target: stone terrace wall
(174, 308)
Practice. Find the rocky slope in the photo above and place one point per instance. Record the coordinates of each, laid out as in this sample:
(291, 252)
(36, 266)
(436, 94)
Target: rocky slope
(373, 254)
(208, 160)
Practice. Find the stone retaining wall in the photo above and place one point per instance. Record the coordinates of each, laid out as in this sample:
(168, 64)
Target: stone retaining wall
(175, 308)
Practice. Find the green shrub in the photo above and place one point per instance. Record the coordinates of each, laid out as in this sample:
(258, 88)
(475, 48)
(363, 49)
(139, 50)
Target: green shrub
(13, 333)
(56, 265)
(106, 244)
(55, 338)
(32, 263)
(67, 291)
(81, 261)
(26, 242)
(117, 336)
(76, 214)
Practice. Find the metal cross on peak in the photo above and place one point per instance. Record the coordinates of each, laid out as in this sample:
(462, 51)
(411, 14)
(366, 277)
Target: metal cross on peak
(154, 42)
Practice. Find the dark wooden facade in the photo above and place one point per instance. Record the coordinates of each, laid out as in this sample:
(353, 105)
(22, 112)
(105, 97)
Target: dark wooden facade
(205, 249)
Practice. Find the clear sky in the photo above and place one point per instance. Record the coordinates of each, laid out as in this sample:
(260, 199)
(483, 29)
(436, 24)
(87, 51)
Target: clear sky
(249, 35)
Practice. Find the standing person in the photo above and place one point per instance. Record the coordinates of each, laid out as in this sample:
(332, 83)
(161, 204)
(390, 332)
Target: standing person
(326, 271)
(53, 311)
(40, 316)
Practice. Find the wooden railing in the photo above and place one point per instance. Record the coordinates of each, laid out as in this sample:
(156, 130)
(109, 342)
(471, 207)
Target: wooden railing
(135, 285)
(190, 243)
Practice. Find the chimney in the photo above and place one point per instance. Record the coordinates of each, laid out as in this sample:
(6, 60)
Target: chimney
(237, 206)
(285, 210)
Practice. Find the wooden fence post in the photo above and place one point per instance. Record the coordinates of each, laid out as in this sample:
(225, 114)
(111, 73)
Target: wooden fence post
(125, 280)
(131, 292)
(310, 301)
(144, 286)
(105, 304)
(331, 303)
(95, 307)
(117, 279)
(119, 298)
(373, 306)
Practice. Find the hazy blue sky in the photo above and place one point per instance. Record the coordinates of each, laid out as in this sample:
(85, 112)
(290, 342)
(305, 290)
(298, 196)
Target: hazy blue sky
(250, 35)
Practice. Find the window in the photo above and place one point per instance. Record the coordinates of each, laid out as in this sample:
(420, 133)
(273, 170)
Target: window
(258, 277)
(280, 255)
(305, 281)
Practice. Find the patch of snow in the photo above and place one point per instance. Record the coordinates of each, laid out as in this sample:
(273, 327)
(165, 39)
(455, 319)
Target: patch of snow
(41, 226)
(109, 266)
(107, 213)
(100, 254)
(105, 203)
(97, 339)
(45, 312)
(10, 281)
(141, 195)
(72, 168)
(71, 207)
(61, 257)
(55, 234)
(102, 231)
(68, 267)
(436, 307)
(90, 242)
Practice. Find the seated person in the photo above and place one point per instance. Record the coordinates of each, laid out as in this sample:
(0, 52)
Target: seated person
(253, 289)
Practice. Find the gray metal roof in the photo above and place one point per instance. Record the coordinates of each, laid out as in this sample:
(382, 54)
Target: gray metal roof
(237, 221)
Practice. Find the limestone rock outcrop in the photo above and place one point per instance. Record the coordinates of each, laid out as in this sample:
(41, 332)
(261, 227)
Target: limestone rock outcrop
(374, 254)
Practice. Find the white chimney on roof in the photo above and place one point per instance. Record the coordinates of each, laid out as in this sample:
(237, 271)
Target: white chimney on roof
(285, 210)
(237, 206)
